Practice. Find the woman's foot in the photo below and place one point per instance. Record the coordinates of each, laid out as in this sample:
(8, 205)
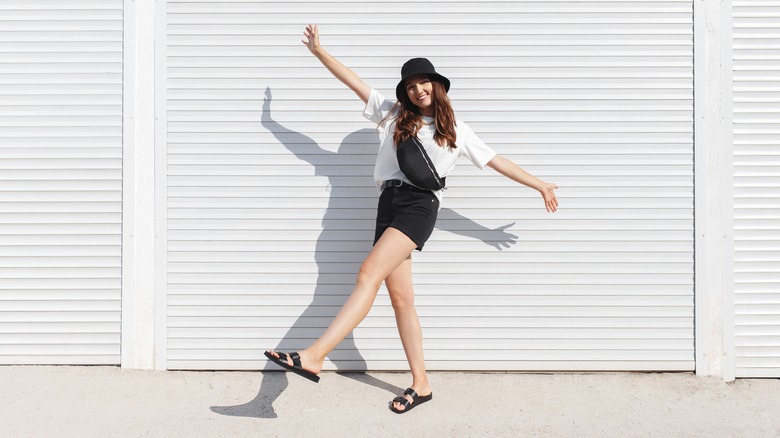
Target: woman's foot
(423, 392)
(295, 362)
(308, 363)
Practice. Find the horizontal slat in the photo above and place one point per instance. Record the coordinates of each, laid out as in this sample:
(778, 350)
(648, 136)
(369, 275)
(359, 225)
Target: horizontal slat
(438, 312)
(447, 216)
(326, 261)
(76, 327)
(42, 239)
(492, 24)
(339, 117)
(67, 229)
(433, 302)
(60, 218)
(528, 201)
(388, 323)
(260, 335)
(445, 268)
(47, 295)
(86, 208)
(367, 191)
(47, 358)
(96, 349)
(520, 91)
(466, 108)
(10, 251)
(304, 170)
(452, 355)
(85, 164)
(434, 279)
(373, 348)
(325, 246)
(104, 197)
(74, 261)
(53, 305)
(558, 235)
(758, 346)
(516, 289)
(401, 364)
(60, 317)
(10, 342)
(25, 5)
(449, 225)
(510, 126)
(246, 7)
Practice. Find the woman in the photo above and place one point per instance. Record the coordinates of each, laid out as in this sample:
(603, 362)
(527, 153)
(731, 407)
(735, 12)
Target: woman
(406, 214)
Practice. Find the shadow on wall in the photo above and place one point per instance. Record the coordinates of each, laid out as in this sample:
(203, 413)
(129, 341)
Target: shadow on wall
(333, 268)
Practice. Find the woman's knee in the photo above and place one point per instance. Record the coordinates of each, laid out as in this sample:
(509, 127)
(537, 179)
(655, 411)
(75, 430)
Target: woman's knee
(370, 275)
(401, 298)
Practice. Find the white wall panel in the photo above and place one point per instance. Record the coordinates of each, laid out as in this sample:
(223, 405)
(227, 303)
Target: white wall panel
(271, 200)
(60, 181)
(757, 188)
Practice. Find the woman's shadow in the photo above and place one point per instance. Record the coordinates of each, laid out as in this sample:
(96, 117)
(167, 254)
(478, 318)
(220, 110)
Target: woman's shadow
(332, 266)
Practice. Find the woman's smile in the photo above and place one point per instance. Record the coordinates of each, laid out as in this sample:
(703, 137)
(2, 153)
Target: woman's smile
(419, 89)
(421, 99)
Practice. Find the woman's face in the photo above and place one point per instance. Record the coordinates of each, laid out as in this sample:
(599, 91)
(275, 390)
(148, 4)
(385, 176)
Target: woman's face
(420, 91)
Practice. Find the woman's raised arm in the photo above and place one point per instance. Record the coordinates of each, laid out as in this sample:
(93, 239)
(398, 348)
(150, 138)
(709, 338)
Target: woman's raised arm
(340, 71)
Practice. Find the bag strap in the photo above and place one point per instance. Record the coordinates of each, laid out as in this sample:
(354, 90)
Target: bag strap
(441, 181)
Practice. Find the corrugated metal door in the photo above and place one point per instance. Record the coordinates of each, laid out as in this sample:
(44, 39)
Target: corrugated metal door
(60, 181)
(757, 188)
(271, 201)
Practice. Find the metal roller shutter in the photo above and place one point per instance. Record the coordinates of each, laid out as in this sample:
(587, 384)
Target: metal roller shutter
(60, 181)
(757, 184)
(271, 204)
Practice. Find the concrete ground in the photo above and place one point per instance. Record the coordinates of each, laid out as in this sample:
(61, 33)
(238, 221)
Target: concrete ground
(113, 402)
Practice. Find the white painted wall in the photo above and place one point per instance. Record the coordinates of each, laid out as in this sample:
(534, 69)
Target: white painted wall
(714, 189)
(756, 188)
(713, 238)
(139, 274)
(267, 225)
(60, 181)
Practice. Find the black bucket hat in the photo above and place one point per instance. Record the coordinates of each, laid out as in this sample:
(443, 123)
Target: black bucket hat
(419, 66)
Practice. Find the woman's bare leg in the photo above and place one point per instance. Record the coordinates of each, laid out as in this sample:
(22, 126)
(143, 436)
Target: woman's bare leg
(390, 250)
(401, 290)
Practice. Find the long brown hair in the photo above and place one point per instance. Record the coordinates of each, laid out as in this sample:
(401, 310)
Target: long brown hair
(409, 120)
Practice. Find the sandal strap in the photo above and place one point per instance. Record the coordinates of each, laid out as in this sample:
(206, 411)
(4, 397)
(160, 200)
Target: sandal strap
(403, 401)
(296, 359)
(413, 393)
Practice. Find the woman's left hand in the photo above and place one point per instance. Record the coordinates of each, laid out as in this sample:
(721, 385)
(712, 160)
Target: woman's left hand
(548, 193)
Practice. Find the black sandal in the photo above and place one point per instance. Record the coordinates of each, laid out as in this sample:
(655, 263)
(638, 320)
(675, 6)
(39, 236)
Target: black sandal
(416, 400)
(296, 366)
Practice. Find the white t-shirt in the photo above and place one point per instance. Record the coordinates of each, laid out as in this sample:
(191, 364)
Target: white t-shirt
(444, 158)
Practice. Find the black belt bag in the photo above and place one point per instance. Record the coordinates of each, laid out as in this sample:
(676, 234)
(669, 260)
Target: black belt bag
(417, 165)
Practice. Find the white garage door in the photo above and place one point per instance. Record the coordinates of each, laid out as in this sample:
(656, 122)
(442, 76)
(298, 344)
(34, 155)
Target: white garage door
(60, 181)
(271, 201)
(757, 185)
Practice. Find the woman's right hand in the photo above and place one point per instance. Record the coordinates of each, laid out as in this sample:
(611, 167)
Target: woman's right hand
(312, 38)
(339, 70)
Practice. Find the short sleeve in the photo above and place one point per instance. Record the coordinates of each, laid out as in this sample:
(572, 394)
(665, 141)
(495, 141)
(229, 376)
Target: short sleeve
(472, 147)
(377, 107)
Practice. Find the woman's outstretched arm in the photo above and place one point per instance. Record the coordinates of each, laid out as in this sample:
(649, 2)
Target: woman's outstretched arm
(340, 71)
(510, 170)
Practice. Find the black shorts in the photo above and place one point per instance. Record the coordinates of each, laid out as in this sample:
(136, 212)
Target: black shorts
(408, 209)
